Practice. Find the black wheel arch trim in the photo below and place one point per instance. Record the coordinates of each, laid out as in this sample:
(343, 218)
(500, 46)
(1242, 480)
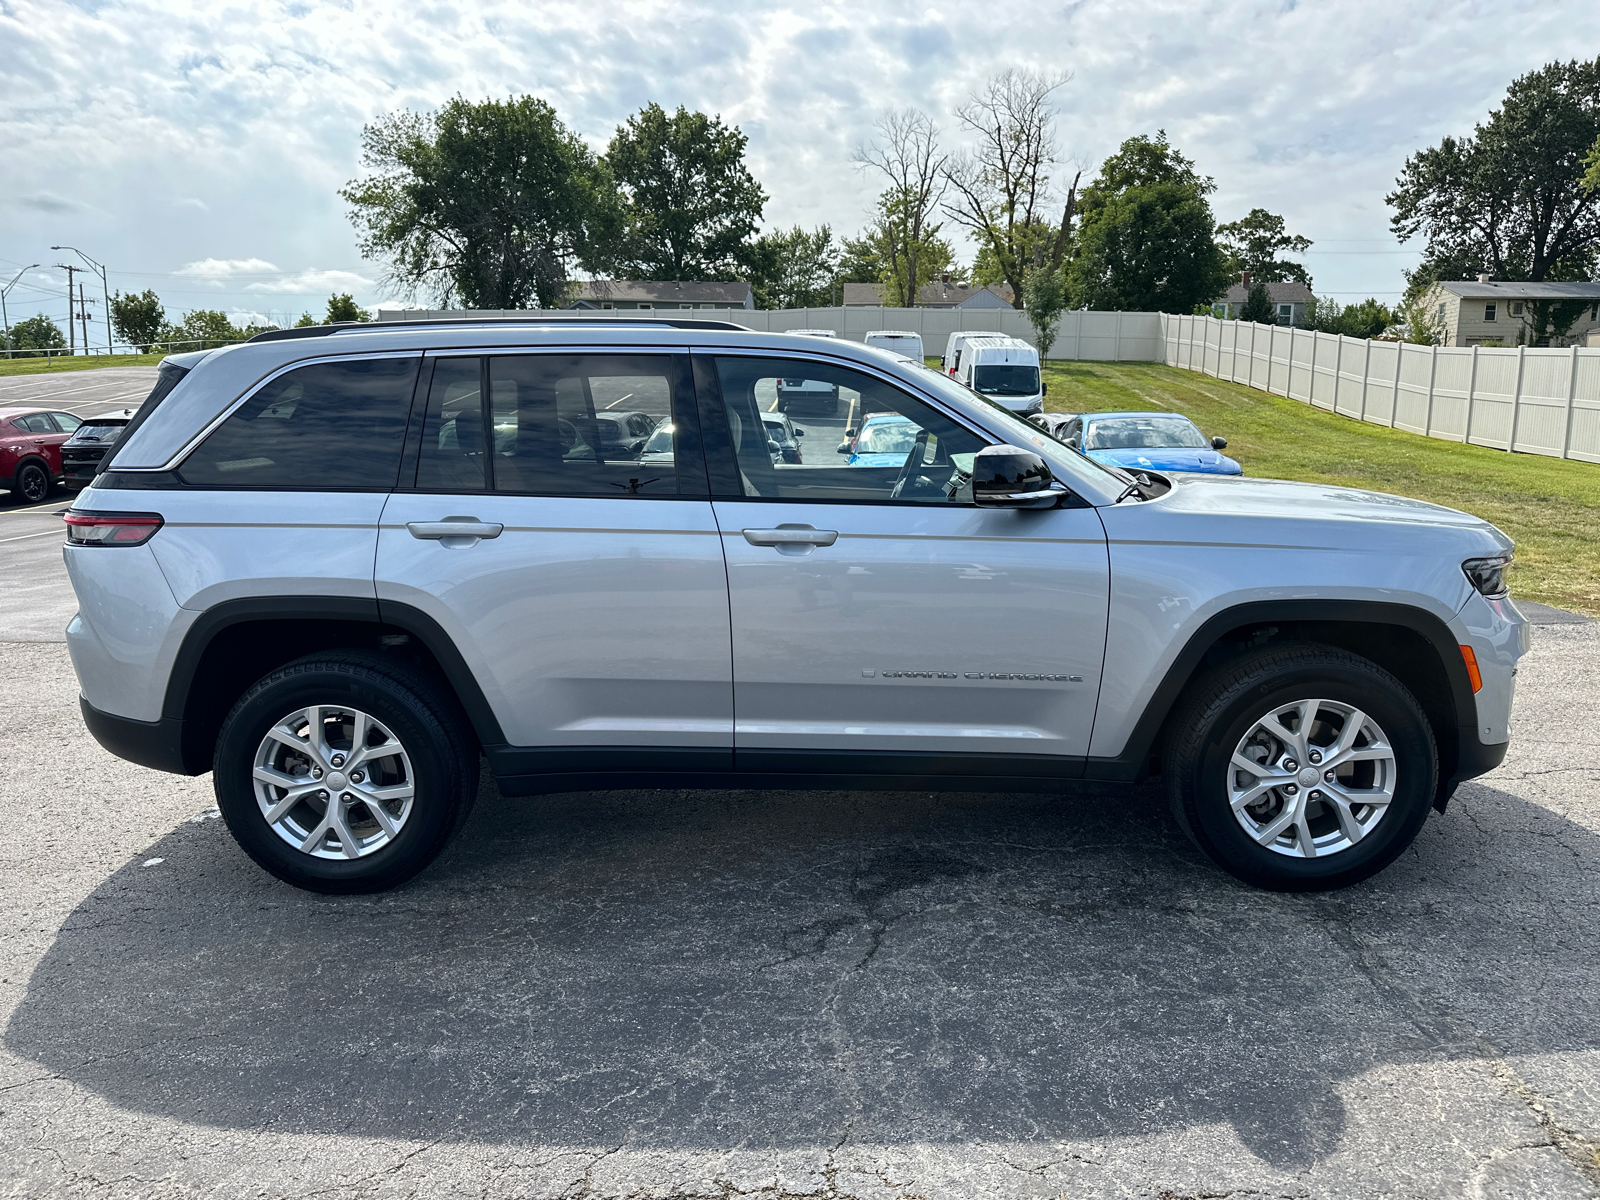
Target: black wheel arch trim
(1131, 762)
(355, 609)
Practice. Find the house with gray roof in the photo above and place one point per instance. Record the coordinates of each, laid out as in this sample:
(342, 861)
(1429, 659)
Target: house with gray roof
(655, 294)
(937, 293)
(1291, 300)
(1475, 312)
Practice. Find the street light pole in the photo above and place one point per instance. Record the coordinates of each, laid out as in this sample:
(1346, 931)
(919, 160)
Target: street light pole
(105, 291)
(4, 316)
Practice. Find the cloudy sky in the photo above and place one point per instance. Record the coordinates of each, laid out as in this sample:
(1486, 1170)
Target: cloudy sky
(197, 149)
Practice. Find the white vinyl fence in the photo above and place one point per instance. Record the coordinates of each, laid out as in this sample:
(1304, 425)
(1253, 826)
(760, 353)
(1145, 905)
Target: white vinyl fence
(1525, 399)
(1102, 336)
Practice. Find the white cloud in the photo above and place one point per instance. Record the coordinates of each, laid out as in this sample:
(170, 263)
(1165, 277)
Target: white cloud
(251, 112)
(314, 283)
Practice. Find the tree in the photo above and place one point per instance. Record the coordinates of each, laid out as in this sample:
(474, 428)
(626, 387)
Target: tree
(306, 320)
(1591, 175)
(1365, 320)
(1258, 306)
(138, 319)
(204, 328)
(906, 152)
(1510, 200)
(691, 204)
(1044, 299)
(344, 308)
(793, 268)
(1253, 244)
(37, 334)
(490, 204)
(1001, 187)
(1145, 239)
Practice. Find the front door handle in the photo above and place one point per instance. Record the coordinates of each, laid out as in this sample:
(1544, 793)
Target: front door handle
(454, 531)
(791, 535)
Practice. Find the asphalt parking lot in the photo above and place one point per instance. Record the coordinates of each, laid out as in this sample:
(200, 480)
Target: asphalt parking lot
(686, 995)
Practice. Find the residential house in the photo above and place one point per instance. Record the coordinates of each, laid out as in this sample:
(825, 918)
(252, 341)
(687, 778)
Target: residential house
(938, 293)
(1472, 312)
(1291, 300)
(654, 294)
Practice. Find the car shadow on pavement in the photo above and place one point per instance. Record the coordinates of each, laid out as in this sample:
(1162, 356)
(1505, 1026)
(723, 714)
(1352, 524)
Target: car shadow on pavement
(708, 970)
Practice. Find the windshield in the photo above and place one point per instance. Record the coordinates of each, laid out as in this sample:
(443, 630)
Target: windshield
(1006, 379)
(660, 440)
(1144, 433)
(891, 437)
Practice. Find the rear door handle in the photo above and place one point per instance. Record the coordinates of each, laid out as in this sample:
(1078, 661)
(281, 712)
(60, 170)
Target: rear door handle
(454, 529)
(791, 535)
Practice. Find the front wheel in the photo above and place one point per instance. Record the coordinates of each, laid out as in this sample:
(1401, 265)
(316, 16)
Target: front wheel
(31, 483)
(344, 773)
(1301, 768)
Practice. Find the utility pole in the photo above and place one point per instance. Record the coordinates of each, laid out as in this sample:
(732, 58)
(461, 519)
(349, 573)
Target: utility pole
(4, 316)
(72, 330)
(83, 315)
(105, 292)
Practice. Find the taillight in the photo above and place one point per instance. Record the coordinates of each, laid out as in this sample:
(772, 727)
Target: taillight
(110, 529)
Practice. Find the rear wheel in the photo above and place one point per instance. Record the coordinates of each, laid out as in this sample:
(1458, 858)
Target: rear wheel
(31, 483)
(344, 773)
(1301, 768)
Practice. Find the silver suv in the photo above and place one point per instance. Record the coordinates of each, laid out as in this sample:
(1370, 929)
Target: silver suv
(335, 566)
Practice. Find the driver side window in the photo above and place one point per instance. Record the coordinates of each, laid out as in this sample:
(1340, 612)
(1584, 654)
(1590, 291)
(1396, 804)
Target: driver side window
(804, 430)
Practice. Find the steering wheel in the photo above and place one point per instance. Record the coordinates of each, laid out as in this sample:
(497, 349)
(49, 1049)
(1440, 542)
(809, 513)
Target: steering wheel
(918, 449)
(568, 432)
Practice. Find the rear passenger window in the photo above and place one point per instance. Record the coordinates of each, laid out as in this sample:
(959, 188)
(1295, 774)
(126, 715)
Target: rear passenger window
(557, 425)
(334, 426)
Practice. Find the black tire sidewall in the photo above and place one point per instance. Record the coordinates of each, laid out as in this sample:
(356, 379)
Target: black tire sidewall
(27, 469)
(433, 762)
(1219, 832)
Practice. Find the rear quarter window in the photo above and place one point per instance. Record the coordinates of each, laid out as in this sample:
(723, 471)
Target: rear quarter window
(335, 426)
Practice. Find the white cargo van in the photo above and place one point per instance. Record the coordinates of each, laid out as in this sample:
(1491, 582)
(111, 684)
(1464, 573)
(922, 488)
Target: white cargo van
(951, 362)
(1005, 370)
(898, 340)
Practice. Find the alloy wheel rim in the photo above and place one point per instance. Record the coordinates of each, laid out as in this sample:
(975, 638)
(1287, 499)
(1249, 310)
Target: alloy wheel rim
(333, 782)
(1311, 778)
(34, 484)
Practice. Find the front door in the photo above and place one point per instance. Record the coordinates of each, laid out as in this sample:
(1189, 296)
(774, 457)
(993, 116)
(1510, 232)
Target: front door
(579, 572)
(875, 607)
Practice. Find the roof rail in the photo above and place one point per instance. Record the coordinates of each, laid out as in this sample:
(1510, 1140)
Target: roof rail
(307, 331)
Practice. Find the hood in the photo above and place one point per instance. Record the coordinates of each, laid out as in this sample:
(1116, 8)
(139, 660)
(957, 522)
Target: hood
(1235, 508)
(1167, 458)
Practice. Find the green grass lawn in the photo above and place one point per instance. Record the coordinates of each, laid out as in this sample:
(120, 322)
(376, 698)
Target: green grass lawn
(77, 362)
(1549, 506)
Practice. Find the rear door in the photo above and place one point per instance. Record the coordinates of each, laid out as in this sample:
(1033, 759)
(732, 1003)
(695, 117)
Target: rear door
(585, 588)
(876, 610)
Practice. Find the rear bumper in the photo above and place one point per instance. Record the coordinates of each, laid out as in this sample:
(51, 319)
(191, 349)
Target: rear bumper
(154, 744)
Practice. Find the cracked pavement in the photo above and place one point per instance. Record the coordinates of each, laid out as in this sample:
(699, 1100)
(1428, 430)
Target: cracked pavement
(686, 995)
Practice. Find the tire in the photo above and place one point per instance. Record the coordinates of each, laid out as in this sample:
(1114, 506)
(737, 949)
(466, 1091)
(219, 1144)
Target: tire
(1238, 708)
(421, 773)
(31, 484)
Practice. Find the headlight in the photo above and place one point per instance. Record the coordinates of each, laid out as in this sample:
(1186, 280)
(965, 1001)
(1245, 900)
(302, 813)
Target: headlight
(1488, 575)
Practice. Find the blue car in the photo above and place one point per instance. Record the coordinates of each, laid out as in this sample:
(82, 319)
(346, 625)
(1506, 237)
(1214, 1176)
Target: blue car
(883, 440)
(1134, 441)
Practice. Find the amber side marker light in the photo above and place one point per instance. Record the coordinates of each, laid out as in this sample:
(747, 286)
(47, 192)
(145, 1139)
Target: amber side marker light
(110, 529)
(1473, 674)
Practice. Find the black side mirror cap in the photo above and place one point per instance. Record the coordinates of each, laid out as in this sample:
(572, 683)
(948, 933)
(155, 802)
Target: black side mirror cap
(1011, 477)
(1219, 443)
(1044, 388)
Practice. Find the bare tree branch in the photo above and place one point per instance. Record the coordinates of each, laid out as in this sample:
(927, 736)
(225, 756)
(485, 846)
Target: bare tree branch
(907, 152)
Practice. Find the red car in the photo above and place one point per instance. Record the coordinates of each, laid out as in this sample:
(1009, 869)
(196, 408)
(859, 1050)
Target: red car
(30, 450)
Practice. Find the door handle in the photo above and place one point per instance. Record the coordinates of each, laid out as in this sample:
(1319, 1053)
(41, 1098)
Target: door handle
(454, 529)
(791, 535)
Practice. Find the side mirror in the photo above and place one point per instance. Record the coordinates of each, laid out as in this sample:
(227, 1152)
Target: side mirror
(1011, 477)
(1044, 388)
(799, 433)
(1219, 443)
(849, 433)
(842, 448)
